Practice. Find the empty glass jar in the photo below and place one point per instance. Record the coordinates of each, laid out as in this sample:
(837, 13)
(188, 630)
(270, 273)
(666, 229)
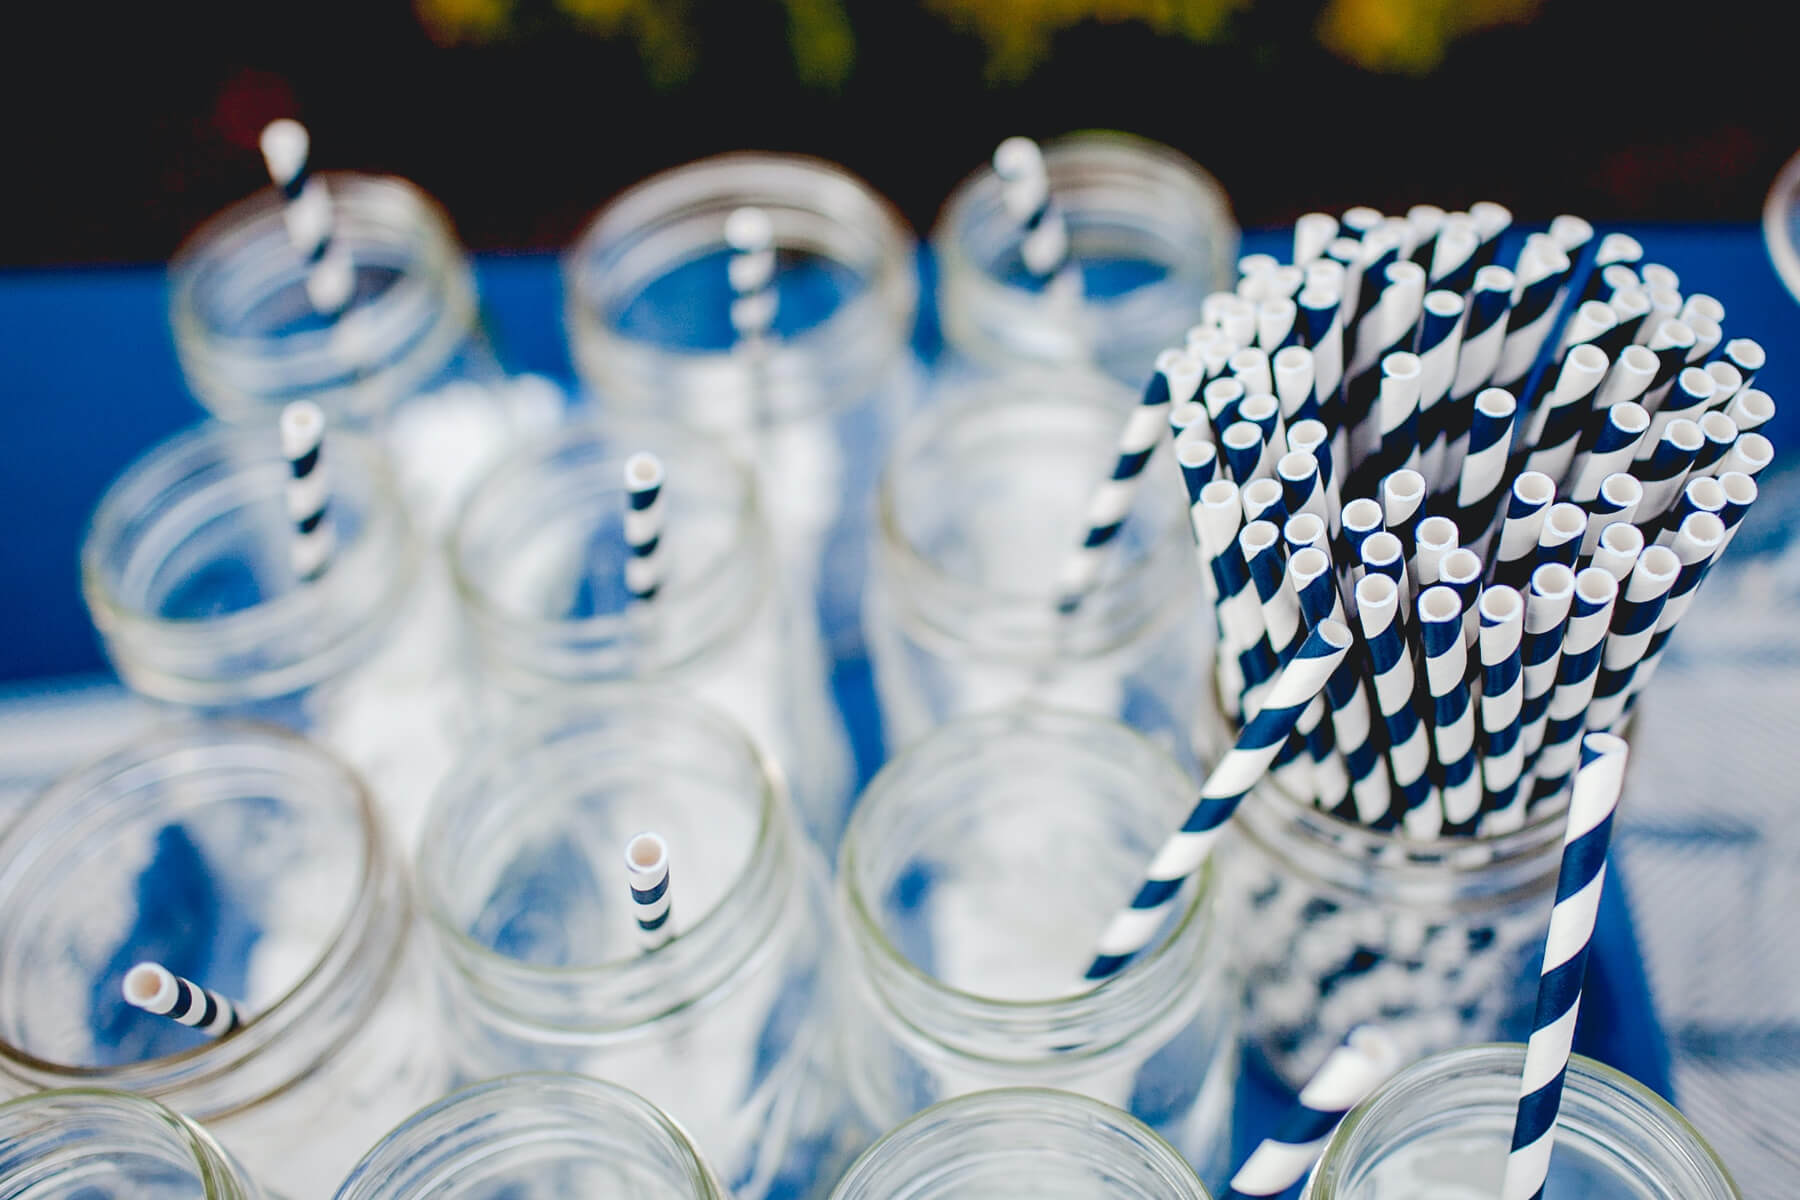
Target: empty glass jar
(539, 558)
(252, 863)
(406, 359)
(535, 1137)
(1149, 232)
(523, 874)
(1440, 1130)
(981, 505)
(188, 573)
(975, 879)
(88, 1144)
(1021, 1142)
(811, 403)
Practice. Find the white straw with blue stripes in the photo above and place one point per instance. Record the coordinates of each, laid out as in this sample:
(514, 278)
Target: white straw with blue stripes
(1590, 617)
(1547, 606)
(1634, 620)
(751, 235)
(647, 864)
(156, 989)
(308, 492)
(1502, 612)
(1453, 720)
(1379, 610)
(1025, 192)
(1697, 545)
(309, 216)
(1315, 584)
(643, 526)
(1579, 883)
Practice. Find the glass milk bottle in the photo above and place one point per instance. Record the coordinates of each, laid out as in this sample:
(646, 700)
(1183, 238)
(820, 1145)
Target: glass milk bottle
(189, 575)
(975, 879)
(535, 1137)
(522, 870)
(1023, 1142)
(1150, 234)
(812, 401)
(539, 556)
(250, 862)
(406, 359)
(88, 1144)
(1440, 1130)
(981, 504)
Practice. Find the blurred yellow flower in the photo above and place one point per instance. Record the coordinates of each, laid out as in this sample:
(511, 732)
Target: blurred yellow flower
(1018, 32)
(449, 22)
(1410, 35)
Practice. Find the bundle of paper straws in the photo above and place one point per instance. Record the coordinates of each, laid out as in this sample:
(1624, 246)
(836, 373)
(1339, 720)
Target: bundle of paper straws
(1509, 481)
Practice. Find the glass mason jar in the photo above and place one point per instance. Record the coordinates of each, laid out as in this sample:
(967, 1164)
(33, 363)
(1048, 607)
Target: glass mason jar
(89, 1144)
(407, 359)
(975, 879)
(187, 574)
(535, 1137)
(1441, 1129)
(980, 506)
(1151, 232)
(1339, 925)
(1021, 1142)
(813, 404)
(523, 876)
(251, 862)
(538, 557)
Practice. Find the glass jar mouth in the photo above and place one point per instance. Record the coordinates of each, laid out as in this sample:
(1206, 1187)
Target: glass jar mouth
(172, 498)
(581, 465)
(396, 330)
(434, 1130)
(1130, 591)
(79, 803)
(634, 988)
(677, 216)
(1059, 1027)
(134, 1114)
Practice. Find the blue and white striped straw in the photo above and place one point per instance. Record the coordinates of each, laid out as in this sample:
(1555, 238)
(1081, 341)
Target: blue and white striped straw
(1263, 410)
(1547, 605)
(1250, 367)
(1620, 495)
(1554, 433)
(1579, 882)
(1453, 264)
(1292, 368)
(1310, 437)
(1719, 433)
(1633, 625)
(1461, 572)
(751, 269)
(1587, 325)
(1217, 516)
(1302, 491)
(1277, 324)
(1484, 331)
(156, 989)
(1632, 370)
(1351, 721)
(1434, 538)
(1664, 471)
(1222, 398)
(1361, 521)
(1424, 220)
(1502, 612)
(1397, 413)
(1264, 556)
(1527, 504)
(1670, 342)
(309, 216)
(1751, 453)
(1321, 319)
(1703, 494)
(1590, 617)
(1697, 545)
(308, 492)
(1378, 608)
(1312, 233)
(1740, 493)
(643, 525)
(1747, 356)
(1750, 409)
(1025, 192)
(1483, 466)
(1246, 452)
(1542, 272)
(1353, 1070)
(1491, 220)
(1615, 249)
(1440, 341)
(1453, 719)
(1381, 556)
(1618, 431)
(1402, 507)
(1240, 770)
(1262, 500)
(647, 864)
(1619, 549)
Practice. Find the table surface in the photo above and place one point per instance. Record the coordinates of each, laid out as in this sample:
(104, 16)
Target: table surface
(93, 381)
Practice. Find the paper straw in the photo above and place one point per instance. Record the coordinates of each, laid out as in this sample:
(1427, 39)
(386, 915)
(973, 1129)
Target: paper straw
(1402, 507)
(1697, 546)
(1349, 705)
(1353, 1070)
(1665, 302)
(1310, 437)
(1629, 377)
(1256, 264)
(1025, 192)
(1360, 221)
(1436, 537)
(1176, 376)
(1559, 541)
(1750, 409)
(1740, 493)
(1620, 495)
(1440, 339)
(1590, 617)
(1700, 495)
(647, 863)
(1312, 233)
(1277, 324)
(1547, 606)
(1453, 722)
(1388, 329)
(1453, 264)
(1237, 321)
(1361, 521)
(309, 216)
(1198, 459)
(1265, 558)
(1542, 272)
(1728, 381)
(751, 236)
(1719, 433)
(1557, 424)
(1590, 322)
(1610, 449)
(1665, 470)
(1631, 310)
(1670, 342)
(643, 525)
(1262, 501)
(1690, 398)
(1502, 613)
(1378, 608)
(1618, 550)
(1397, 414)
(308, 491)
(1615, 249)
(1222, 398)
(1187, 415)
(1491, 220)
(1747, 356)
(1707, 335)
(1302, 490)
(1529, 500)
(1240, 770)
(1633, 625)
(1250, 367)
(1484, 465)
(1656, 275)
(1217, 517)
(1702, 305)
(1381, 556)
(1424, 220)
(156, 989)
(1263, 410)
(1246, 452)
(1292, 368)
(1215, 305)
(1321, 316)
(1579, 882)
(1484, 331)
(1212, 348)
(1751, 453)
(1461, 572)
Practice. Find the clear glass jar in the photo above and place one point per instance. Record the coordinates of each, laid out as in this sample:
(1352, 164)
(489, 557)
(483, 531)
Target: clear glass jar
(253, 863)
(1021, 1142)
(975, 879)
(89, 1144)
(1440, 1130)
(539, 555)
(523, 877)
(535, 1137)
(187, 576)
(407, 359)
(813, 406)
(980, 505)
(1339, 925)
(1151, 231)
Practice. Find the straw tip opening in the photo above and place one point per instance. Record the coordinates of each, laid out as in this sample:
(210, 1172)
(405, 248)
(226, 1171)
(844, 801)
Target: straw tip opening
(646, 852)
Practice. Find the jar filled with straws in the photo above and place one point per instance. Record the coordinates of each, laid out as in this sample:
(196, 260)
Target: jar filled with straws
(1439, 1131)
(1017, 560)
(350, 291)
(213, 918)
(1021, 1141)
(84, 1142)
(767, 299)
(234, 570)
(614, 887)
(569, 575)
(535, 1134)
(1095, 251)
(977, 873)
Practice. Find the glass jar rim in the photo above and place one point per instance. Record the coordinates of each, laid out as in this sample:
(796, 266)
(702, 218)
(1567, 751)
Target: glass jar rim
(210, 1160)
(32, 834)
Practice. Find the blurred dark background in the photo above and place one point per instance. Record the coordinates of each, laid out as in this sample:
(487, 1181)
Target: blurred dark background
(130, 124)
